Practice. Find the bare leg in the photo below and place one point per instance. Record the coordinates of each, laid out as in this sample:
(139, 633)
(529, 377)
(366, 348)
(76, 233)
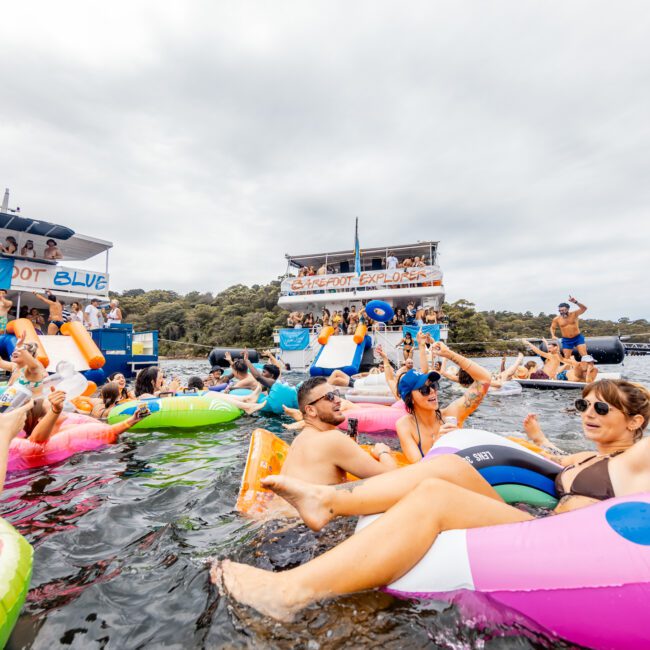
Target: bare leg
(339, 378)
(319, 504)
(241, 404)
(582, 349)
(376, 556)
(293, 413)
(52, 329)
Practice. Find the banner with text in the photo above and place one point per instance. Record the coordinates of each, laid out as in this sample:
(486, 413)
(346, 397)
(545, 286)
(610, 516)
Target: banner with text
(34, 276)
(393, 278)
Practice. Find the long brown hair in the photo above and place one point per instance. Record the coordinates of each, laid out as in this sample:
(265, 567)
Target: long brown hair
(627, 396)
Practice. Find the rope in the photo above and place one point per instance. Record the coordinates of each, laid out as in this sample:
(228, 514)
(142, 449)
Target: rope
(197, 345)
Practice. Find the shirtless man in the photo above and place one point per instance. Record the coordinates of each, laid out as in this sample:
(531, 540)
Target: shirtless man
(5, 306)
(552, 359)
(56, 312)
(323, 454)
(584, 370)
(241, 378)
(568, 323)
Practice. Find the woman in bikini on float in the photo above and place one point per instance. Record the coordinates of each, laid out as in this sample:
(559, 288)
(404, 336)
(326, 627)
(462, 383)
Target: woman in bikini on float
(422, 500)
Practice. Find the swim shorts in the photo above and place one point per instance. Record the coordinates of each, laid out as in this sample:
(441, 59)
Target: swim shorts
(3, 323)
(351, 383)
(58, 323)
(561, 376)
(539, 374)
(570, 344)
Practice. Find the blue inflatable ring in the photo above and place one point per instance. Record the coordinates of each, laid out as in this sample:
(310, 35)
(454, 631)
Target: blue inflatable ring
(379, 310)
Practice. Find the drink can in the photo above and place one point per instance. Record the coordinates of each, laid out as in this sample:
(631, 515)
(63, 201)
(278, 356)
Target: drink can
(353, 428)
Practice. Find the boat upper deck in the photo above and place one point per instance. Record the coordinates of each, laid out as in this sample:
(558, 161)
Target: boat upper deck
(394, 273)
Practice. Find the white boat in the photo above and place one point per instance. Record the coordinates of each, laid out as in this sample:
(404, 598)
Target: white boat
(343, 287)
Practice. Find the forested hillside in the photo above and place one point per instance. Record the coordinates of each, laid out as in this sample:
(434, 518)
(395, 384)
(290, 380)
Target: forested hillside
(244, 316)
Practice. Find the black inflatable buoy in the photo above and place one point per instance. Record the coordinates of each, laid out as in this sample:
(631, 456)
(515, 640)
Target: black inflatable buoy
(218, 356)
(605, 349)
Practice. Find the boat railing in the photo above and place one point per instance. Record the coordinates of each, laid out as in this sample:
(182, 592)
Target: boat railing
(423, 276)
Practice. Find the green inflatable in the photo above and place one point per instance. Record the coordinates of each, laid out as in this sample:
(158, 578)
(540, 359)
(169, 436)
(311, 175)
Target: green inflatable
(15, 574)
(183, 411)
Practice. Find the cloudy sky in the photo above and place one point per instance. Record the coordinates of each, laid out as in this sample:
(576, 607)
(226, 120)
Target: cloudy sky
(207, 139)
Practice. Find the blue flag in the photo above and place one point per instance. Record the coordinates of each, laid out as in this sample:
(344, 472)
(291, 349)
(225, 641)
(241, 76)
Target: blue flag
(357, 251)
(6, 272)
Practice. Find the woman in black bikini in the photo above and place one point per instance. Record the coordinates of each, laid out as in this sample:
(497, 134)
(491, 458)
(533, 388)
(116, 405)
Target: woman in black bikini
(422, 500)
(407, 344)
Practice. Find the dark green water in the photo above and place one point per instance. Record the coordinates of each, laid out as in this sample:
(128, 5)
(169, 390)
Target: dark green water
(123, 538)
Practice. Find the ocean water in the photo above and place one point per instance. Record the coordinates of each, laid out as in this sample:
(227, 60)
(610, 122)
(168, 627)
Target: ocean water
(123, 538)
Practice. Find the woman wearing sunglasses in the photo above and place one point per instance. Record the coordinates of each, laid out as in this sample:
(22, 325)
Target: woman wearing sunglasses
(425, 419)
(422, 500)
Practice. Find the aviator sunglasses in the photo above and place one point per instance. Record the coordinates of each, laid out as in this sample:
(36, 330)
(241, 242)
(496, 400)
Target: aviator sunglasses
(428, 387)
(601, 408)
(330, 397)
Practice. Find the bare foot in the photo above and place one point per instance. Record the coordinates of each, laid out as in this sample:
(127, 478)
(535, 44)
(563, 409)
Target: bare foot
(292, 413)
(257, 391)
(313, 502)
(253, 408)
(533, 430)
(294, 426)
(262, 590)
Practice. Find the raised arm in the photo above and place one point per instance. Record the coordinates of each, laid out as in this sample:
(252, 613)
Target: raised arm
(581, 308)
(10, 425)
(267, 383)
(43, 298)
(535, 349)
(43, 430)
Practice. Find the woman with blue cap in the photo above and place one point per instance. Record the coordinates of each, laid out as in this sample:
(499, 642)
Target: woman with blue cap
(426, 421)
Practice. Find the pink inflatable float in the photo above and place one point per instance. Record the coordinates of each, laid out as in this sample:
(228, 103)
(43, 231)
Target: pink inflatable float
(375, 418)
(74, 433)
(583, 576)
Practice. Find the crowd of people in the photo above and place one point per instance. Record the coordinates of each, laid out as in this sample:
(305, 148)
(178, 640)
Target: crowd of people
(96, 314)
(391, 261)
(345, 321)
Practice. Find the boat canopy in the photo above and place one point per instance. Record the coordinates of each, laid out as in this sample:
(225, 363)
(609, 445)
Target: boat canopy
(369, 256)
(73, 246)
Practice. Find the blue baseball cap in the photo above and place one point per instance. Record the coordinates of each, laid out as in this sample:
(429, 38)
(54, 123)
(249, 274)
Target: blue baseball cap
(412, 380)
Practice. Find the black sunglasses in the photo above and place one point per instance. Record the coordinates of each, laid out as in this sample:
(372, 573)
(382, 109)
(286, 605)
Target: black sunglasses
(602, 408)
(428, 387)
(332, 396)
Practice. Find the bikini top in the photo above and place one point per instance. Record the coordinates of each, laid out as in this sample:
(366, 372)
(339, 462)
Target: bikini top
(23, 381)
(593, 481)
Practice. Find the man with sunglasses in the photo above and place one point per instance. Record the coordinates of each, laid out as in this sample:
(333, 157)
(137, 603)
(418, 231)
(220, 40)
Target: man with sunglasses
(321, 453)
(567, 321)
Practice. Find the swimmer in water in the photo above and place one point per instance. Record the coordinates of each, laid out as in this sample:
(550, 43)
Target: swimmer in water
(567, 321)
(418, 502)
(24, 367)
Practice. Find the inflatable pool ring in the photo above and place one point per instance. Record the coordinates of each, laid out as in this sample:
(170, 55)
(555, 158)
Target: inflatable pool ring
(75, 433)
(583, 576)
(325, 333)
(516, 473)
(266, 455)
(279, 395)
(185, 411)
(374, 420)
(83, 404)
(380, 311)
(384, 399)
(219, 387)
(16, 556)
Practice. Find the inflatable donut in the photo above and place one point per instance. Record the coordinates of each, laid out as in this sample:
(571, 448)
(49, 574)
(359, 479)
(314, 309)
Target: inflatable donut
(380, 311)
(583, 576)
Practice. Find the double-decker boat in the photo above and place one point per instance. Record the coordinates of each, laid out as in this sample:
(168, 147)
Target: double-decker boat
(29, 270)
(335, 281)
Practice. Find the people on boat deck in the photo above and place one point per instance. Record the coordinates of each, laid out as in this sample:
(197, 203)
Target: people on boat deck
(115, 313)
(446, 493)
(391, 261)
(10, 246)
(56, 311)
(37, 319)
(24, 367)
(5, 306)
(28, 249)
(321, 453)
(425, 419)
(52, 251)
(407, 344)
(567, 321)
(92, 314)
(76, 313)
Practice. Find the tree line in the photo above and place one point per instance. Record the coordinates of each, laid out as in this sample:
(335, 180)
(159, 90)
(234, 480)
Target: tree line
(241, 316)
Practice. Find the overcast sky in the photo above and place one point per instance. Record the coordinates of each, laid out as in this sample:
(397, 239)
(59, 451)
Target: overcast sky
(207, 139)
